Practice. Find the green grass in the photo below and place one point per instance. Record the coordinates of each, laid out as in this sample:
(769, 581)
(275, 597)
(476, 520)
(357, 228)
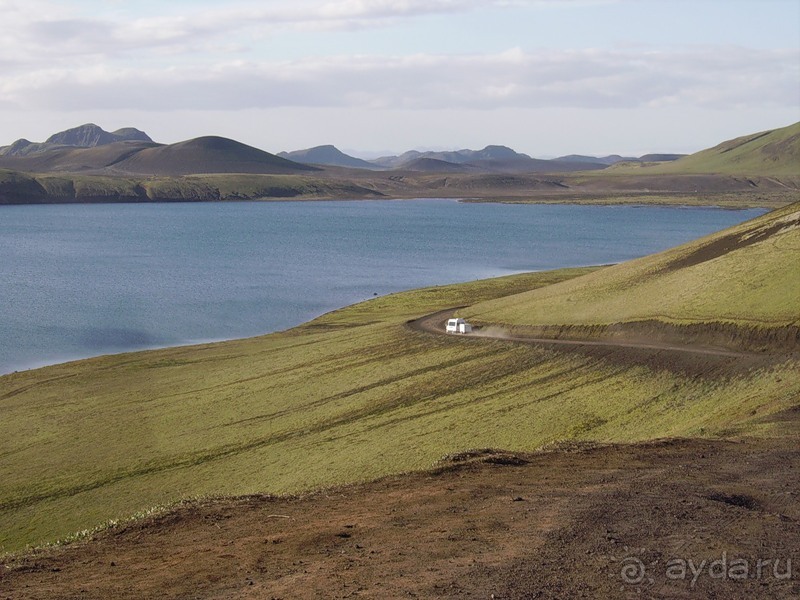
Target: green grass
(350, 396)
(767, 153)
(756, 285)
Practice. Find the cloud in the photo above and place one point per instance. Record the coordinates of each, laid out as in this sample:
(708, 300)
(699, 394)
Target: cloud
(42, 29)
(54, 56)
(697, 77)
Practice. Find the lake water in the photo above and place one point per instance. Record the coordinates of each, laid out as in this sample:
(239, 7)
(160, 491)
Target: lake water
(83, 280)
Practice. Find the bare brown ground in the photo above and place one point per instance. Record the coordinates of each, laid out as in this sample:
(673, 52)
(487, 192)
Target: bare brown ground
(556, 524)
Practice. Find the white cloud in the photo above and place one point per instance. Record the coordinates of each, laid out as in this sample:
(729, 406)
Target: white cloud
(701, 77)
(40, 29)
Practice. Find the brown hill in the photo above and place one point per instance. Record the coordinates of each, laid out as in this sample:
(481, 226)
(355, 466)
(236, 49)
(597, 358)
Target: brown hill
(210, 154)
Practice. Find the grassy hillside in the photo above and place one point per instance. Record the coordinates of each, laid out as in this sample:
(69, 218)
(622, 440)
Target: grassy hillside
(351, 396)
(767, 153)
(746, 276)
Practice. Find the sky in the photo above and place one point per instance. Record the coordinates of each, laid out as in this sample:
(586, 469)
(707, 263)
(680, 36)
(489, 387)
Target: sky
(545, 77)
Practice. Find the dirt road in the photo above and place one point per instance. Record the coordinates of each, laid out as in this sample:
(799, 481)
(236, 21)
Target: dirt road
(435, 323)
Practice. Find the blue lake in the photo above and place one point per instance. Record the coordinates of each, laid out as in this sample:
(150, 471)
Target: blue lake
(83, 280)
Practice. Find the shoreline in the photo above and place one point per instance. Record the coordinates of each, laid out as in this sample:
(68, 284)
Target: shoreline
(39, 363)
(667, 199)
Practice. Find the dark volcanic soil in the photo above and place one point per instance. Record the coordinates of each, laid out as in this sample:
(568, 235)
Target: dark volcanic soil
(618, 521)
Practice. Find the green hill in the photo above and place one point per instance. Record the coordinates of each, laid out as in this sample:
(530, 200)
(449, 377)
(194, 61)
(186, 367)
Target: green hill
(767, 153)
(746, 277)
(357, 394)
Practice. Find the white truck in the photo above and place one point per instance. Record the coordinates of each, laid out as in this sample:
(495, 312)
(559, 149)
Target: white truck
(458, 326)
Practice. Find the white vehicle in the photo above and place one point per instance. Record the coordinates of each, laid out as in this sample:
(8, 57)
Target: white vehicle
(458, 326)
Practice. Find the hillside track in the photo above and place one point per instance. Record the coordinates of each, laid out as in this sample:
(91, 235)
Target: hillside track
(435, 323)
(692, 359)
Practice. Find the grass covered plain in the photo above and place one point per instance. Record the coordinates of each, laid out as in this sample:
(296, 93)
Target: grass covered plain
(350, 396)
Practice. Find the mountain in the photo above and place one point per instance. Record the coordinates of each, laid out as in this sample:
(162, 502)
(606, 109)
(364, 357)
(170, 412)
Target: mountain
(613, 159)
(775, 152)
(90, 135)
(210, 154)
(493, 153)
(83, 136)
(603, 160)
(392, 162)
(493, 158)
(327, 155)
(435, 165)
(21, 147)
(489, 153)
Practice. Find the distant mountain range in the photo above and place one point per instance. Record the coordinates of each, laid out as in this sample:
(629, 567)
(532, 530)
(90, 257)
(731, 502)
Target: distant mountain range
(328, 156)
(493, 158)
(88, 149)
(458, 157)
(126, 165)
